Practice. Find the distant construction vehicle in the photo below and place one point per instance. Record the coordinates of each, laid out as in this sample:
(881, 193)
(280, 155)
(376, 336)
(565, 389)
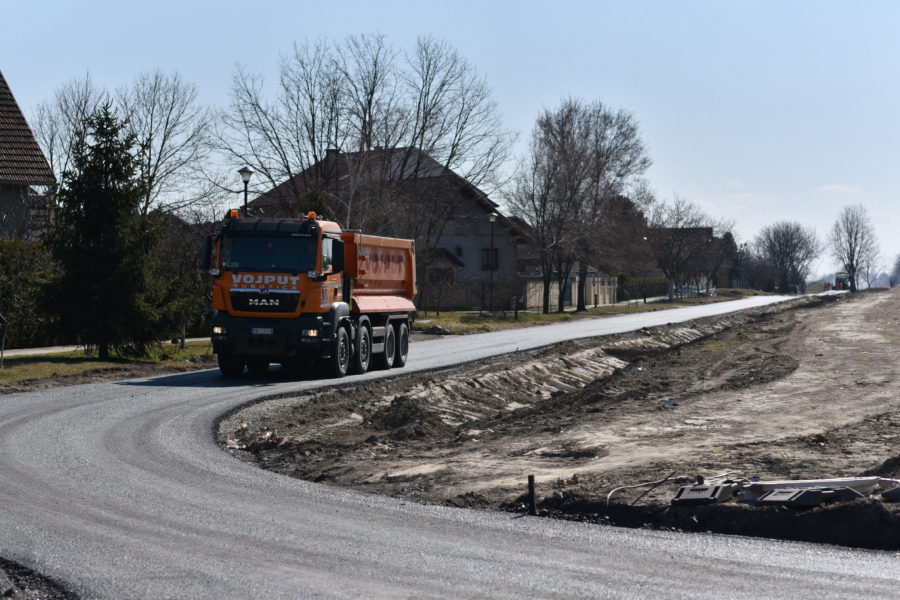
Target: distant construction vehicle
(842, 280)
(289, 290)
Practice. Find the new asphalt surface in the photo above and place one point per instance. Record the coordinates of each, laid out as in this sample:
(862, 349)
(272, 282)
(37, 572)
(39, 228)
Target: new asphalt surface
(118, 490)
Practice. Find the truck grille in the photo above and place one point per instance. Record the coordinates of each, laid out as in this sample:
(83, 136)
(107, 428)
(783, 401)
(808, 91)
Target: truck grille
(271, 301)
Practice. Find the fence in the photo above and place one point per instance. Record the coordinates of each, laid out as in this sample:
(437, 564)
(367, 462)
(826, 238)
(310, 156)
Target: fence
(635, 289)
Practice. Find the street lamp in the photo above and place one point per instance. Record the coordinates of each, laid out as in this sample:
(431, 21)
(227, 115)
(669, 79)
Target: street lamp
(492, 217)
(246, 174)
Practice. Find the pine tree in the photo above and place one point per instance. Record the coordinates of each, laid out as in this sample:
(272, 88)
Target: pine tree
(107, 296)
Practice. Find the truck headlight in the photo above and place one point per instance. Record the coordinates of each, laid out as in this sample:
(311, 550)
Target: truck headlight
(310, 333)
(219, 330)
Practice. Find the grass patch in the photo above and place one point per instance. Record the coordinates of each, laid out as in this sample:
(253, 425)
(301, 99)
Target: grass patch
(19, 369)
(466, 322)
(471, 322)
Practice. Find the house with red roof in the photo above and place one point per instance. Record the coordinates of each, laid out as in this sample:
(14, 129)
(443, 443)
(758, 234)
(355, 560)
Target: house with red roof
(24, 211)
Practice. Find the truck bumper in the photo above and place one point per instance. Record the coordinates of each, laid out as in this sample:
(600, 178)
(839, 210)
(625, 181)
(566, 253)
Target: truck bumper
(252, 337)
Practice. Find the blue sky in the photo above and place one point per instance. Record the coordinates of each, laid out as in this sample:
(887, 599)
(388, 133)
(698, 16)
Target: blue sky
(759, 111)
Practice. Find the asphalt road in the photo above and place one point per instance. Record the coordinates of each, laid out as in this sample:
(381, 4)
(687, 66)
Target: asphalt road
(119, 491)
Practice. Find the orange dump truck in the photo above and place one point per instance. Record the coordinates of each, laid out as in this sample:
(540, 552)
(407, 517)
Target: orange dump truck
(293, 289)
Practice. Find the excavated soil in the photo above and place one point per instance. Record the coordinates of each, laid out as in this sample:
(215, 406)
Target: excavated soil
(806, 389)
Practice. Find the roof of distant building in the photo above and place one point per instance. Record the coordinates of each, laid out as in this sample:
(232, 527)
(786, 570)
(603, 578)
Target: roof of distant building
(21, 158)
(380, 164)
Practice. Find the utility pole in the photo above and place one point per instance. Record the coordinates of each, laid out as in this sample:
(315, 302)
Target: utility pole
(491, 262)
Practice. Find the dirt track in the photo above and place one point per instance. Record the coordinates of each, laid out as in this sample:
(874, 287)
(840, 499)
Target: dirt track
(803, 390)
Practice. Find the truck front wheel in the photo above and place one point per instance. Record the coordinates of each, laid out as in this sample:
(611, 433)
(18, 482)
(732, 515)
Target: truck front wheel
(340, 354)
(402, 345)
(230, 365)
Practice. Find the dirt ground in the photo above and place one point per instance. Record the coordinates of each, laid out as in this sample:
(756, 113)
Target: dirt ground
(806, 389)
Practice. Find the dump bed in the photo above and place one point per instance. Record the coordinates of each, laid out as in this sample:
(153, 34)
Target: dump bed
(383, 271)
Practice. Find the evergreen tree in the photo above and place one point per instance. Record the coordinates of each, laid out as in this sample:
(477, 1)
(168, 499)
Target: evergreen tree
(107, 296)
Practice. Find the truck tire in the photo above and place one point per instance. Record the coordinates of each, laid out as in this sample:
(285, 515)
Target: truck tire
(257, 366)
(363, 355)
(385, 360)
(402, 345)
(339, 362)
(230, 365)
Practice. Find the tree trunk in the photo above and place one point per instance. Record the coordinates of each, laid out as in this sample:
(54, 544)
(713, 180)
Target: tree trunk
(103, 350)
(561, 297)
(548, 278)
(3, 345)
(671, 289)
(582, 288)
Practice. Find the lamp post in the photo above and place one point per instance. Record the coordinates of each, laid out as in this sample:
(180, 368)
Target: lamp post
(491, 263)
(246, 173)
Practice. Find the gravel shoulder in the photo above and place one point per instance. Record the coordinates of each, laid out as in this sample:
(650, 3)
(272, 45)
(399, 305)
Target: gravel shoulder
(803, 390)
(20, 582)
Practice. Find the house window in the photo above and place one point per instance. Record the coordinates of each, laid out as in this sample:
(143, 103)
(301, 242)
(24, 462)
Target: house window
(489, 259)
(458, 251)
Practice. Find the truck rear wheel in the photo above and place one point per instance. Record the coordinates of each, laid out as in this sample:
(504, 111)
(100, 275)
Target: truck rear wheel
(339, 362)
(402, 345)
(230, 365)
(363, 355)
(385, 360)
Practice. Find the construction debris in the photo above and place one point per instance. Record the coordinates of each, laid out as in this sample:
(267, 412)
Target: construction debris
(806, 497)
(891, 495)
(573, 480)
(700, 494)
(265, 442)
(793, 493)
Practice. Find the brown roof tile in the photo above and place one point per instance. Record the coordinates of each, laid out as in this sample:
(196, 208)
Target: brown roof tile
(21, 159)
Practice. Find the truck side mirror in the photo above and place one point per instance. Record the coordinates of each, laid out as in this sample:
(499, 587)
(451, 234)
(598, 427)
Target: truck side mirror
(337, 256)
(207, 253)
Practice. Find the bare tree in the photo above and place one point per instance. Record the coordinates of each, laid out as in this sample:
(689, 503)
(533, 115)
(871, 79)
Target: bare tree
(617, 157)
(679, 233)
(894, 276)
(164, 115)
(871, 268)
(59, 122)
(549, 190)
(714, 254)
(171, 133)
(452, 116)
(853, 240)
(788, 249)
(374, 110)
(284, 137)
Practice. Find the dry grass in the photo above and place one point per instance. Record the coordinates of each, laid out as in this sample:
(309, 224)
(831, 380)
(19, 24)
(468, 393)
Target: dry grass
(19, 369)
(472, 322)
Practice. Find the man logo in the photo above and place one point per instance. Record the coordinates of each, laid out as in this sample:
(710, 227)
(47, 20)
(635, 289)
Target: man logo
(263, 302)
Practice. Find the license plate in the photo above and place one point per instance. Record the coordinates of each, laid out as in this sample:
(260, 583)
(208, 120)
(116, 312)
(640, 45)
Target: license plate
(262, 331)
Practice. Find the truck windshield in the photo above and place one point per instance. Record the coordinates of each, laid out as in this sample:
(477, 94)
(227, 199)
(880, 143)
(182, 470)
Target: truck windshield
(269, 254)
